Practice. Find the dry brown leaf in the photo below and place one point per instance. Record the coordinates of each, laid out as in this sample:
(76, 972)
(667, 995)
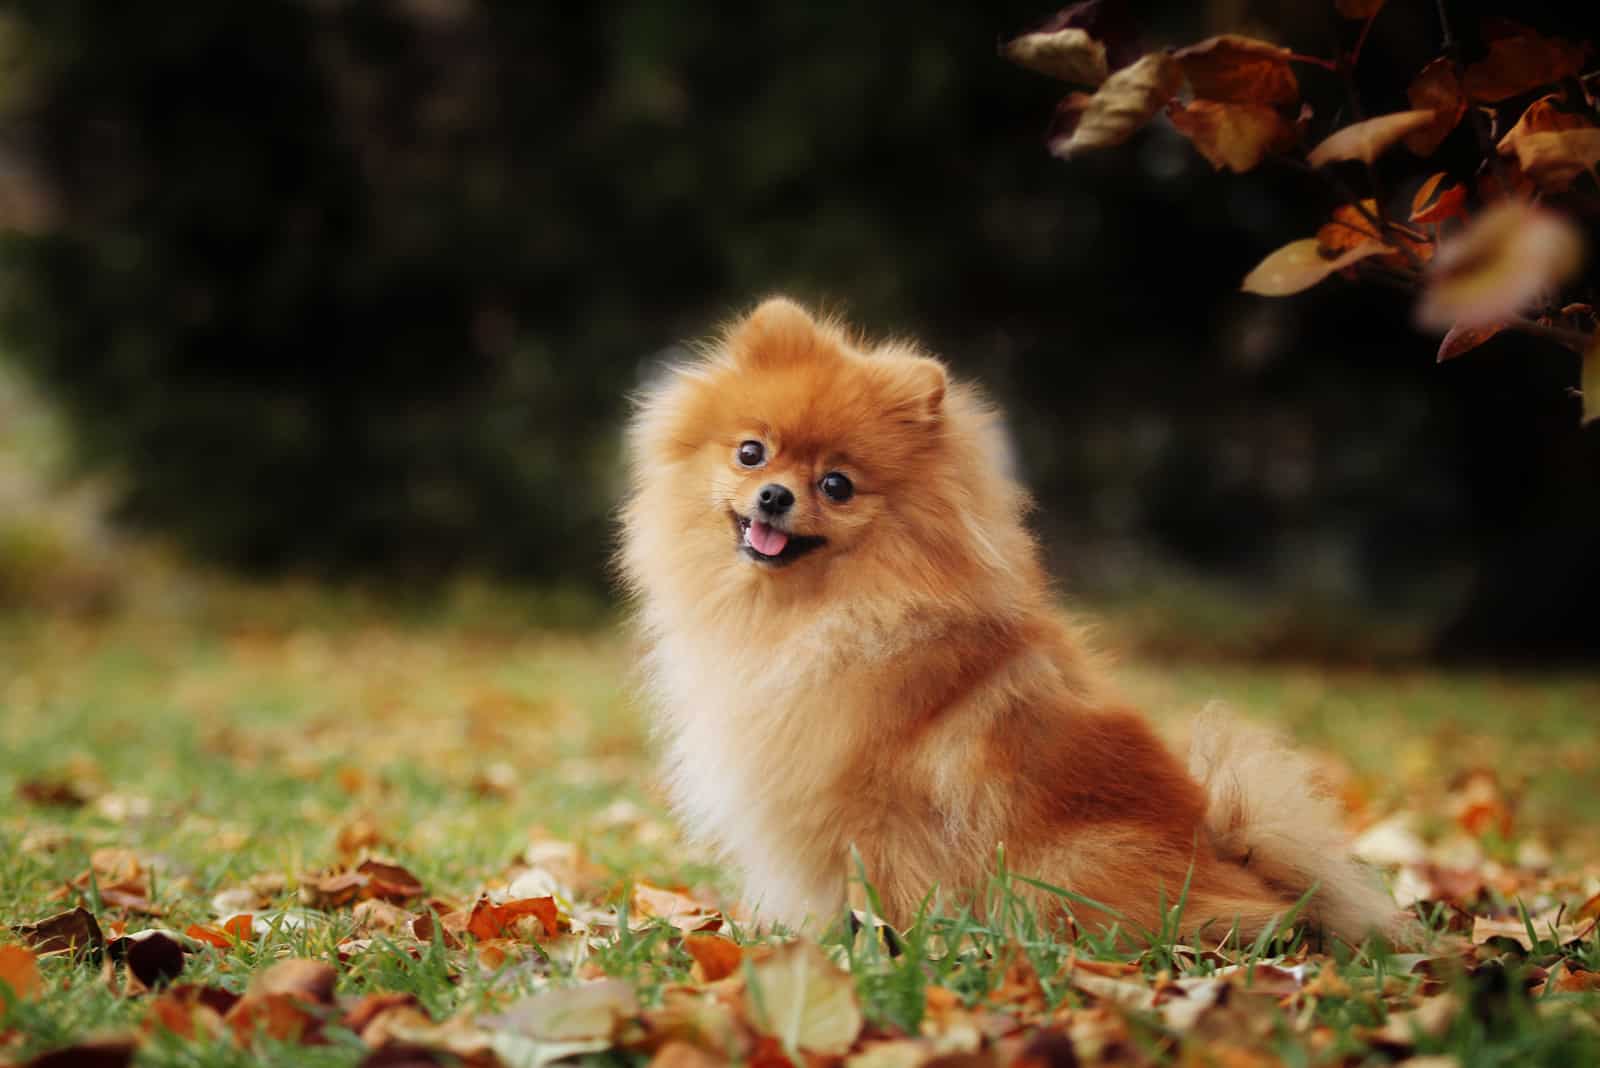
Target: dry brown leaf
(1504, 260)
(389, 882)
(110, 1051)
(677, 908)
(299, 978)
(1068, 53)
(1436, 88)
(1368, 140)
(1591, 407)
(1462, 340)
(1235, 136)
(277, 1016)
(1299, 265)
(715, 957)
(589, 1011)
(1239, 70)
(154, 957)
(189, 1011)
(803, 1000)
(1118, 109)
(74, 932)
(19, 972)
(1520, 60)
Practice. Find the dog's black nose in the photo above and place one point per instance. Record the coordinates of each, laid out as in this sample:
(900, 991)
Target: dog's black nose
(775, 499)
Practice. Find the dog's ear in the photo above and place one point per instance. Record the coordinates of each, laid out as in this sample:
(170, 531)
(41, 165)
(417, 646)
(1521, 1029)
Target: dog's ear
(917, 385)
(778, 332)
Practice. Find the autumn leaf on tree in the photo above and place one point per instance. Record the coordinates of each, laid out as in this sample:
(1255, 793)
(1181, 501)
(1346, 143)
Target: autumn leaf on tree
(1435, 89)
(1239, 70)
(1520, 60)
(1118, 109)
(1368, 140)
(1299, 265)
(1235, 136)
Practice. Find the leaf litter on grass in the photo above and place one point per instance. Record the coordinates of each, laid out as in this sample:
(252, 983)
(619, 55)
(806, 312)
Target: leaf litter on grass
(343, 883)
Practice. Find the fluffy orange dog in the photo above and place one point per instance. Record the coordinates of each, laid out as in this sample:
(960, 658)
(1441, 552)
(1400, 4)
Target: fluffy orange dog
(852, 643)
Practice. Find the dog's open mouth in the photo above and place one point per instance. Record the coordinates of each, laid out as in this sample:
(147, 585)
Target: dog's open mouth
(766, 544)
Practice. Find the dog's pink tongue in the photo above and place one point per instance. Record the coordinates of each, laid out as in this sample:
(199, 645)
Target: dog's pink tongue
(764, 539)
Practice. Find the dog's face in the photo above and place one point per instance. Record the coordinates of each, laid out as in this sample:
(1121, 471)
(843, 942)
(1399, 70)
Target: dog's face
(792, 457)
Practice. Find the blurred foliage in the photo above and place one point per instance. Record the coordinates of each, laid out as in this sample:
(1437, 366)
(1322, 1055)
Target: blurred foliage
(360, 288)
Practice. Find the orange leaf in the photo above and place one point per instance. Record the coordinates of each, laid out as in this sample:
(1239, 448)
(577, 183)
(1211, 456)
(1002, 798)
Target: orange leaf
(1520, 60)
(1462, 339)
(1347, 229)
(305, 980)
(211, 936)
(276, 1016)
(1435, 89)
(715, 957)
(1368, 140)
(489, 920)
(1239, 70)
(19, 971)
(1235, 136)
(1451, 204)
(1118, 109)
(241, 926)
(1299, 265)
(1505, 259)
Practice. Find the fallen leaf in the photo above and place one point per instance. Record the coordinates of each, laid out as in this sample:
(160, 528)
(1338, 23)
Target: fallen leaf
(299, 978)
(1436, 88)
(1235, 136)
(1432, 1019)
(190, 1011)
(114, 1051)
(1545, 928)
(52, 792)
(154, 957)
(389, 882)
(1118, 109)
(684, 1055)
(1504, 260)
(1299, 265)
(332, 889)
(1069, 54)
(19, 972)
(677, 908)
(800, 998)
(282, 1017)
(1462, 339)
(1239, 70)
(370, 1007)
(1520, 60)
(489, 920)
(74, 932)
(1369, 139)
(589, 1011)
(715, 957)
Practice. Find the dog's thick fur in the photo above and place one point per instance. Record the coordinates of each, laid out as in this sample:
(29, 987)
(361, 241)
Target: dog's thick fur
(909, 688)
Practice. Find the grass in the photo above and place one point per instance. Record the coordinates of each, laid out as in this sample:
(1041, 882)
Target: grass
(224, 749)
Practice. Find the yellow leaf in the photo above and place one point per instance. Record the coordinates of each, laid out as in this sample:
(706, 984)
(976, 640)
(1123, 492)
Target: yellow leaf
(1555, 158)
(1069, 54)
(802, 999)
(1504, 260)
(1368, 140)
(1299, 265)
(1118, 108)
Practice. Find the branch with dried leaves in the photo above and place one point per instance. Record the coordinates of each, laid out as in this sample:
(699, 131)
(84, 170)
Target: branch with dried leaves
(1483, 253)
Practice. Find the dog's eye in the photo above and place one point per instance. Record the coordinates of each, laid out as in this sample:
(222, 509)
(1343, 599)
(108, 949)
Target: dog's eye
(752, 453)
(837, 486)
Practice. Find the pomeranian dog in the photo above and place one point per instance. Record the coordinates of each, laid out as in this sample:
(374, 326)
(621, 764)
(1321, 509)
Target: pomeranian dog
(851, 645)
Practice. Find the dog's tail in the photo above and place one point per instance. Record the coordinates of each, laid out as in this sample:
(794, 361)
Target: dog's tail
(1266, 813)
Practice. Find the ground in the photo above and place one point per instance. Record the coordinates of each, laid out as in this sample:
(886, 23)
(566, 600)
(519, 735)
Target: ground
(443, 831)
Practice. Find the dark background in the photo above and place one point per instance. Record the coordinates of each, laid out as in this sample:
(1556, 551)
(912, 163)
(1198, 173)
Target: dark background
(359, 289)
